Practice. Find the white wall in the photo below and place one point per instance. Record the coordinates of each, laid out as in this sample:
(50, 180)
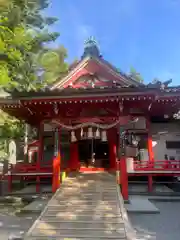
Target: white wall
(163, 132)
(139, 124)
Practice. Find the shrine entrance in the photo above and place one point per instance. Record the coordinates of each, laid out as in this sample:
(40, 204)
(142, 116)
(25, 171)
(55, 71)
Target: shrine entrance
(93, 153)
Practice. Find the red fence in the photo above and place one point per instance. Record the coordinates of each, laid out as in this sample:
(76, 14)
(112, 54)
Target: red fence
(163, 165)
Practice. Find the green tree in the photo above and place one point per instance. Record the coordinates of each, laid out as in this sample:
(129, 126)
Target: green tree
(12, 58)
(26, 18)
(23, 35)
(135, 75)
(53, 65)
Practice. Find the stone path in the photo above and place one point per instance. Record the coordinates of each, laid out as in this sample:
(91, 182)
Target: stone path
(163, 226)
(85, 207)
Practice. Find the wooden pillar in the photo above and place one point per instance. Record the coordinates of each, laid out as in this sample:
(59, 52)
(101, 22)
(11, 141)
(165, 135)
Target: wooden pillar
(74, 157)
(40, 155)
(124, 178)
(56, 161)
(149, 142)
(112, 148)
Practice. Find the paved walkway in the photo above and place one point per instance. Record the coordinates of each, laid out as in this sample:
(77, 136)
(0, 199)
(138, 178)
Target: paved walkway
(85, 207)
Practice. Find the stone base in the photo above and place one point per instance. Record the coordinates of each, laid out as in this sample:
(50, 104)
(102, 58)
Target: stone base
(137, 204)
(3, 187)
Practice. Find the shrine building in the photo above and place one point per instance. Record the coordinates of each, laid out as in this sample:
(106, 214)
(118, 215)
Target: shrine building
(82, 116)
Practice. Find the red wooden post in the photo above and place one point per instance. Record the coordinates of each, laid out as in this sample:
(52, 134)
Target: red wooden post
(118, 172)
(59, 159)
(74, 156)
(40, 155)
(56, 173)
(124, 178)
(149, 143)
(56, 162)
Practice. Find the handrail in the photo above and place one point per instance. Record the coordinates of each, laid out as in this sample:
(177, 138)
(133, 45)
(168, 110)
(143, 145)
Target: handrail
(157, 164)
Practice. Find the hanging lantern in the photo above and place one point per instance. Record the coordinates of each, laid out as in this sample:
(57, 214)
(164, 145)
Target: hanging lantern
(90, 133)
(73, 137)
(82, 133)
(97, 134)
(103, 136)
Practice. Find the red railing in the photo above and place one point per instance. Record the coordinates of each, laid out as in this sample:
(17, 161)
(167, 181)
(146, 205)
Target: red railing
(29, 167)
(165, 165)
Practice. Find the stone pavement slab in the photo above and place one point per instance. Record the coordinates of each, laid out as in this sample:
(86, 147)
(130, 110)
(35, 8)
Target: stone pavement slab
(140, 205)
(144, 188)
(35, 206)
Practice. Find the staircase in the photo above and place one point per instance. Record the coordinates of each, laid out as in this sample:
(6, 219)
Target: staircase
(85, 207)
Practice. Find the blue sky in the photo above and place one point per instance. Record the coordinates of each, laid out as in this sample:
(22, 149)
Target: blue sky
(144, 34)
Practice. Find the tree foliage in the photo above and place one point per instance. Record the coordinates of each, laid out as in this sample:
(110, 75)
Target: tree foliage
(135, 75)
(52, 64)
(12, 128)
(23, 34)
(25, 62)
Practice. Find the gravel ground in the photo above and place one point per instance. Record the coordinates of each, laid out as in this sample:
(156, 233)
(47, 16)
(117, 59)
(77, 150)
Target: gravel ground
(10, 224)
(163, 226)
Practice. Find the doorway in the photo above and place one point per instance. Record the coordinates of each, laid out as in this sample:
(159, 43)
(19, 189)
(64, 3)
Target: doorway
(93, 153)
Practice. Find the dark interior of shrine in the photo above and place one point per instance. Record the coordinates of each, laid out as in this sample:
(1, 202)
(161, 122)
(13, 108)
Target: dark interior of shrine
(93, 153)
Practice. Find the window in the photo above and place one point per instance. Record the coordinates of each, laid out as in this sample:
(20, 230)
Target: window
(173, 144)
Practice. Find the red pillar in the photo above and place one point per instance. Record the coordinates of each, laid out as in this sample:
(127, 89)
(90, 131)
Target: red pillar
(56, 162)
(74, 157)
(124, 178)
(149, 143)
(112, 148)
(40, 155)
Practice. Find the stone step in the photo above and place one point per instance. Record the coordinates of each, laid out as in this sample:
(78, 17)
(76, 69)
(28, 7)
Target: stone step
(60, 216)
(58, 207)
(97, 197)
(75, 238)
(78, 192)
(80, 225)
(81, 194)
(52, 220)
(79, 215)
(90, 179)
(88, 184)
(93, 198)
(85, 188)
(85, 195)
(101, 212)
(96, 233)
(95, 189)
(84, 202)
(83, 205)
(77, 204)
